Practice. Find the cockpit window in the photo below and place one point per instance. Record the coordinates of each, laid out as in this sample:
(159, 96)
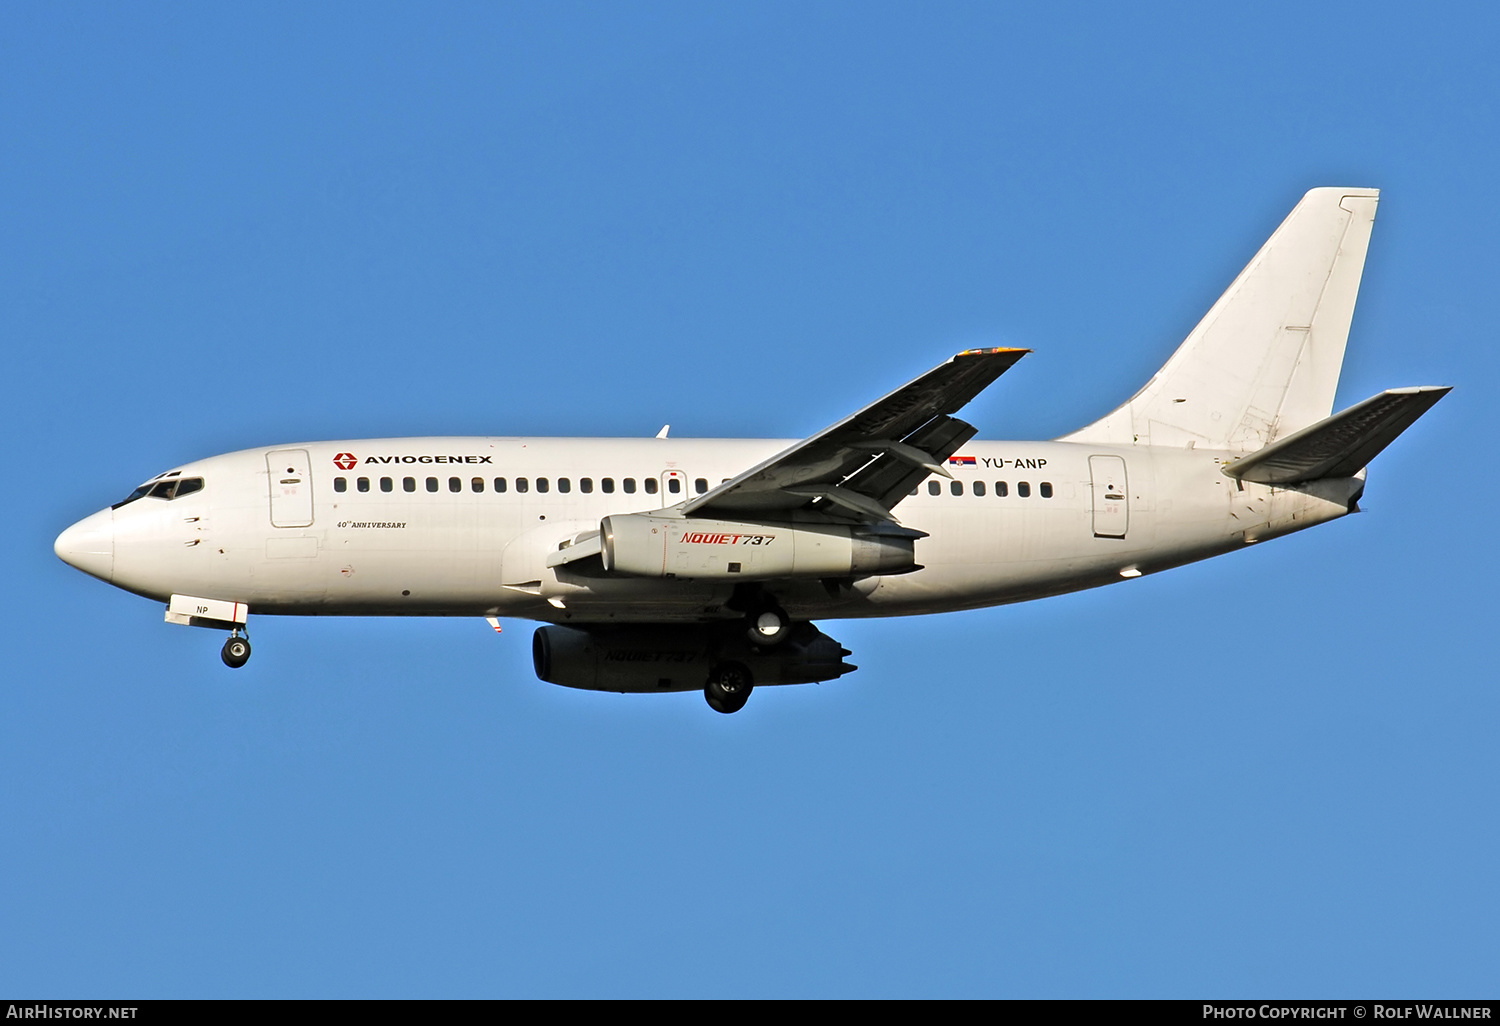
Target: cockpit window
(142, 490)
(163, 489)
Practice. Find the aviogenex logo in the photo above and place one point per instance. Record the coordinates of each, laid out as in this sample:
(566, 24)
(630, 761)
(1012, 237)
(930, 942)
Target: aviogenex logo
(426, 459)
(348, 461)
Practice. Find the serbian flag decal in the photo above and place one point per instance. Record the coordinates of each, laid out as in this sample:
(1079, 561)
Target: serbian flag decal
(961, 461)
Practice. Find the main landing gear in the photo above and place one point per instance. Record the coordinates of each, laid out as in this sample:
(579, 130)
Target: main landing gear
(728, 688)
(766, 625)
(236, 651)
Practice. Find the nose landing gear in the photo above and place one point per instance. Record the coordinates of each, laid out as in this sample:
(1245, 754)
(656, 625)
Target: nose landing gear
(215, 614)
(236, 651)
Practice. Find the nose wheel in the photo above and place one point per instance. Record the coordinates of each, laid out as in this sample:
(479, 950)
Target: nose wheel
(236, 651)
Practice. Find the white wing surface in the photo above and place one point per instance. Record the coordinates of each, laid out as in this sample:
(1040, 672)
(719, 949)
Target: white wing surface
(856, 470)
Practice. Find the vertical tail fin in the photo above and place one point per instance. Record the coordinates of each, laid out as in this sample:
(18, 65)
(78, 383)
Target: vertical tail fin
(1264, 362)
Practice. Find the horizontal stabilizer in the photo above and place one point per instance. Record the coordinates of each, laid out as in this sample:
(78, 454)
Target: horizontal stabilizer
(1340, 445)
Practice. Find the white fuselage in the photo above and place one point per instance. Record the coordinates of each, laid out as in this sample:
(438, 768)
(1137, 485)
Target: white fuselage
(419, 527)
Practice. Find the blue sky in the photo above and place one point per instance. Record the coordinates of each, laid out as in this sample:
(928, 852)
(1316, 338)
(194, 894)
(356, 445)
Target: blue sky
(224, 227)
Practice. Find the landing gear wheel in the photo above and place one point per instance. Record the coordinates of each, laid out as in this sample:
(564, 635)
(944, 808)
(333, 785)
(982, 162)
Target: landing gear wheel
(236, 652)
(768, 626)
(728, 688)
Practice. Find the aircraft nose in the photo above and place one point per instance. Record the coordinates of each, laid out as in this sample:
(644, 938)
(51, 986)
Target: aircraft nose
(89, 545)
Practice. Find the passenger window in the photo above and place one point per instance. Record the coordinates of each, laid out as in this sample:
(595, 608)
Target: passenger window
(914, 491)
(585, 485)
(650, 486)
(408, 484)
(1046, 489)
(363, 484)
(340, 484)
(674, 485)
(700, 485)
(630, 486)
(933, 488)
(564, 485)
(188, 486)
(1002, 489)
(956, 487)
(522, 485)
(978, 487)
(607, 485)
(542, 484)
(499, 484)
(1023, 489)
(477, 484)
(432, 484)
(386, 484)
(455, 484)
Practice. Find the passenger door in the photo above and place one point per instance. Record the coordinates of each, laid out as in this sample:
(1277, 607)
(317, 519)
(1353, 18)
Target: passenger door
(291, 488)
(1111, 502)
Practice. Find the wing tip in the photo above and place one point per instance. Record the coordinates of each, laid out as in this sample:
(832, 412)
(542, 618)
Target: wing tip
(993, 352)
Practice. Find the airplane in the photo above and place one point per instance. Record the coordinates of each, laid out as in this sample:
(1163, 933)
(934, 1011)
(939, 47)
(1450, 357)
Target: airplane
(670, 565)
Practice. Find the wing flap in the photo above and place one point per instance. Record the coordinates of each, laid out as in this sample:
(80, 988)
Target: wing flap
(863, 465)
(1340, 445)
(889, 478)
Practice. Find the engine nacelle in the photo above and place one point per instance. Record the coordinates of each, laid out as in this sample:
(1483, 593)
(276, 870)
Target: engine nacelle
(678, 657)
(642, 545)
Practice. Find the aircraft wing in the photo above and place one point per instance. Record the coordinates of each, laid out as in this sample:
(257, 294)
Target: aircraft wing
(859, 468)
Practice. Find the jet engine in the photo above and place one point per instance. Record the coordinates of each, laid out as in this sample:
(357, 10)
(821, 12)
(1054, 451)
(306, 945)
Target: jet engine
(641, 545)
(680, 657)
